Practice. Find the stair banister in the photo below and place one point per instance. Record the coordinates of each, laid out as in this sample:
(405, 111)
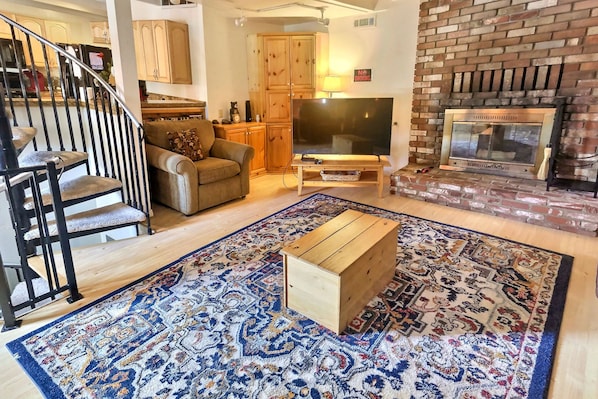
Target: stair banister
(76, 61)
(116, 151)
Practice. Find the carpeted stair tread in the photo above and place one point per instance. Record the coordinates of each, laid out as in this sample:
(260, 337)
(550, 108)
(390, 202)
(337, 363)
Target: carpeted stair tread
(20, 295)
(101, 218)
(82, 187)
(14, 180)
(21, 136)
(65, 158)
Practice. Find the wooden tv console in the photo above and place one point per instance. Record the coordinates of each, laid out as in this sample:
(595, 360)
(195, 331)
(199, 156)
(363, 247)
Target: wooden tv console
(371, 169)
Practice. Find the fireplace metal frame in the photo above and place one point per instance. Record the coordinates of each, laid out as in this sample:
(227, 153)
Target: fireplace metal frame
(543, 116)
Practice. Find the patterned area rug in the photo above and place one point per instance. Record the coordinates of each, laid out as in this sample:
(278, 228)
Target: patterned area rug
(466, 316)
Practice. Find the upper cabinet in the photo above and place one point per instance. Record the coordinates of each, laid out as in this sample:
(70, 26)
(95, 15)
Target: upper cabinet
(35, 25)
(58, 32)
(290, 62)
(4, 27)
(100, 32)
(54, 31)
(288, 66)
(162, 51)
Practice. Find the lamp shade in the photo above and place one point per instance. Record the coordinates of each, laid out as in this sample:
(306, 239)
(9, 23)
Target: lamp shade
(332, 84)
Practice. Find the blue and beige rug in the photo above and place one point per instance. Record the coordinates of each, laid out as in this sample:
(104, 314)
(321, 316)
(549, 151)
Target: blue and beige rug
(466, 316)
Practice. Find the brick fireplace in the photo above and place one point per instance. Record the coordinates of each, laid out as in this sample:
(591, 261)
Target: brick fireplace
(509, 54)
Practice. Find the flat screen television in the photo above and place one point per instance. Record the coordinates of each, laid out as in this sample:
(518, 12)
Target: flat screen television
(342, 126)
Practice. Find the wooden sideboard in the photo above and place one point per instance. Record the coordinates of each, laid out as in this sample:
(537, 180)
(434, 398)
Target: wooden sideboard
(250, 133)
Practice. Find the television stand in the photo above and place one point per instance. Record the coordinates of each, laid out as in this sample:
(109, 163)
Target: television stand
(371, 170)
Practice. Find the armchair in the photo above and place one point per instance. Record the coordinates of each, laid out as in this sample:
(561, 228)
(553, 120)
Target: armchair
(191, 186)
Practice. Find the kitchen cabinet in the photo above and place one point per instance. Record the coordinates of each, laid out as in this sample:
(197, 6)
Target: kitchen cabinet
(250, 133)
(58, 32)
(35, 25)
(100, 32)
(4, 27)
(54, 31)
(283, 67)
(290, 62)
(162, 51)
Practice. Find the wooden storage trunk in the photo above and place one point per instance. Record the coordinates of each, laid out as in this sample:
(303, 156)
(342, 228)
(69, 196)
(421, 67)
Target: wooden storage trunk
(331, 273)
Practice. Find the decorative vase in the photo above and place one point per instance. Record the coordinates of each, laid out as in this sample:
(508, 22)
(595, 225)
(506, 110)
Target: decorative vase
(235, 116)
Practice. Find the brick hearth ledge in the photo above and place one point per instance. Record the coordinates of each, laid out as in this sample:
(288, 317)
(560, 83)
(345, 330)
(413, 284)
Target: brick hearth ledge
(512, 198)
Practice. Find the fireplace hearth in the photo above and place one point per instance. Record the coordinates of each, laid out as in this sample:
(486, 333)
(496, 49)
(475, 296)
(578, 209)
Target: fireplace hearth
(524, 200)
(506, 142)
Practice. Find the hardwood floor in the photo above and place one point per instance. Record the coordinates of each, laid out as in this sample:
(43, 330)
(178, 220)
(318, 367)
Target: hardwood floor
(104, 268)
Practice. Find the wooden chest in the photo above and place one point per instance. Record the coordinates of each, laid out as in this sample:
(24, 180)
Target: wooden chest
(331, 273)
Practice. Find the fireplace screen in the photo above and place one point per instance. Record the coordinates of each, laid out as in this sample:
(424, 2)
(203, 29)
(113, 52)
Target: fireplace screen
(496, 142)
(501, 141)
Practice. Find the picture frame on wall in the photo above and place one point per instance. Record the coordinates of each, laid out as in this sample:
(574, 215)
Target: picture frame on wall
(362, 75)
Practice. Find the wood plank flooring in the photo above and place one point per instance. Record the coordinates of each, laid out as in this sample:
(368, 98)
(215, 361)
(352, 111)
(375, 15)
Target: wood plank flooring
(105, 268)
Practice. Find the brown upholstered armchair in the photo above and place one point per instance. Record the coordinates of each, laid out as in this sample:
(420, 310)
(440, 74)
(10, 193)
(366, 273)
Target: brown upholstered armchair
(191, 186)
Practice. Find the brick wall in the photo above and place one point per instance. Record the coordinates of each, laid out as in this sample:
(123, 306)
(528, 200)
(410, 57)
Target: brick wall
(471, 36)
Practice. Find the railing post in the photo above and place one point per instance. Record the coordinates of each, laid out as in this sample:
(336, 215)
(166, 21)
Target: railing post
(10, 322)
(63, 234)
(8, 153)
(9, 160)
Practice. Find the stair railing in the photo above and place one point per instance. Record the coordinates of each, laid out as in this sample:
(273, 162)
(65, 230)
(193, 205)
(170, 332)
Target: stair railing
(34, 177)
(77, 110)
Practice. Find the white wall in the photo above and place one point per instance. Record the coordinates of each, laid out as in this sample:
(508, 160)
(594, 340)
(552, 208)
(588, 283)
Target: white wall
(226, 61)
(389, 50)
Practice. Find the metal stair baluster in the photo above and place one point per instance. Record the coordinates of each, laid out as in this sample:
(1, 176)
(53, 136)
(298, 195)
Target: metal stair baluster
(63, 234)
(10, 321)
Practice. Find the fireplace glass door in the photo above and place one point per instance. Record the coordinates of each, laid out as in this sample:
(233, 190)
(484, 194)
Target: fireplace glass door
(508, 142)
(499, 142)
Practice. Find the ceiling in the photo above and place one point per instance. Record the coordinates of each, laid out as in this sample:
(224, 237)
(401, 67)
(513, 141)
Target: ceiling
(295, 12)
(301, 8)
(276, 11)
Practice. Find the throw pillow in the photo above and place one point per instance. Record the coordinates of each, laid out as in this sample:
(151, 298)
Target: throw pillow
(186, 142)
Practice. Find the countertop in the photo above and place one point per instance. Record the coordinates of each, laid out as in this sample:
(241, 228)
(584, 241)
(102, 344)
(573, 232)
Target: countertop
(171, 103)
(157, 105)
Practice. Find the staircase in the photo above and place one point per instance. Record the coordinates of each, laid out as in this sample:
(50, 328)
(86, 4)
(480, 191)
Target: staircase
(72, 164)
